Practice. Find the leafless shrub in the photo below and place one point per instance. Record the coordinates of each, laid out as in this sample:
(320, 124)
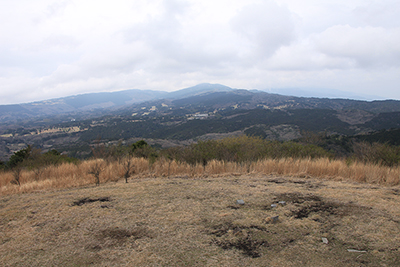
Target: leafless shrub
(17, 173)
(376, 153)
(128, 167)
(96, 169)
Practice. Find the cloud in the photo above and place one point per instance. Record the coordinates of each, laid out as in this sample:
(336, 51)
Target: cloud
(51, 48)
(302, 56)
(364, 47)
(161, 32)
(266, 26)
(378, 13)
(178, 43)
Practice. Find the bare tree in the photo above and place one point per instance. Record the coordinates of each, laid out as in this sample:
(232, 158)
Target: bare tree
(98, 149)
(170, 155)
(17, 173)
(99, 154)
(96, 169)
(169, 160)
(128, 167)
(38, 172)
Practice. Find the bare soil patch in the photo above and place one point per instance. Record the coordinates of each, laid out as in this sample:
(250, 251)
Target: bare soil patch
(198, 222)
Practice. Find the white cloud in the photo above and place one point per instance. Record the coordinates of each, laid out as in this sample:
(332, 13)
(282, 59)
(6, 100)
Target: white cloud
(365, 47)
(55, 48)
(378, 13)
(303, 57)
(266, 27)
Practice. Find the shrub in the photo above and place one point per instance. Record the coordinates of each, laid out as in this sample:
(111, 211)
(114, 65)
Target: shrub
(377, 153)
(2, 165)
(19, 157)
(33, 159)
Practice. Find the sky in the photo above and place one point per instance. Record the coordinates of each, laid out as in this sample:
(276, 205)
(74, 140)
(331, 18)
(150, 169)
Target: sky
(56, 48)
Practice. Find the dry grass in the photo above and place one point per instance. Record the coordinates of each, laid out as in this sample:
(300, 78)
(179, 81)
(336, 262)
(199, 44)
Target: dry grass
(183, 221)
(71, 175)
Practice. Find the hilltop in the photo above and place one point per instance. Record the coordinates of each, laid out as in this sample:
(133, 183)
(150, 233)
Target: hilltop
(197, 222)
(236, 201)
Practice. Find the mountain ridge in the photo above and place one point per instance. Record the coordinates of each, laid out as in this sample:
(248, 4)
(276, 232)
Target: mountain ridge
(96, 101)
(103, 102)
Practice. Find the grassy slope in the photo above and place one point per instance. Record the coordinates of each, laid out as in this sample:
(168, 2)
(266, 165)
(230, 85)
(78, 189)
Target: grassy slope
(195, 222)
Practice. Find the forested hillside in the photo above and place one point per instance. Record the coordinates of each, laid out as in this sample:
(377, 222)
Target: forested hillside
(199, 113)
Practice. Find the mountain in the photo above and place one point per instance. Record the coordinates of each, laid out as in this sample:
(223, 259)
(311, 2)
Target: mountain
(96, 103)
(75, 104)
(321, 93)
(201, 112)
(198, 90)
(211, 98)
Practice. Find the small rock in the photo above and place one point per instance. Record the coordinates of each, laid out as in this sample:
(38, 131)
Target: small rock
(273, 205)
(355, 250)
(283, 203)
(325, 240)
(273, 219)
(240, 202)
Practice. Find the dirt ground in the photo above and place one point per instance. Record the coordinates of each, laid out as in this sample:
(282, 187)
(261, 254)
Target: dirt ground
(181, 221)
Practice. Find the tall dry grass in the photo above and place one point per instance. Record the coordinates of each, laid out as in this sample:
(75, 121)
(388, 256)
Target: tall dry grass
(75, 175)
(331, 169)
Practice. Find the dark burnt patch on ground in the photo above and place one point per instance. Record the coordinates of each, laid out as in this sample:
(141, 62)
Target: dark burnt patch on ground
(247, 239)
(264, 238)
(308, 204)
(248, 245)
(86, 200)
(255, 240)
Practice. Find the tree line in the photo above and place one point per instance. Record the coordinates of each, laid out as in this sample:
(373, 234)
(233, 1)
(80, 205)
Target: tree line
(243, 149)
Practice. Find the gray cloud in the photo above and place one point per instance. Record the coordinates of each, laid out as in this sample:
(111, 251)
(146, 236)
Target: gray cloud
(51, 48)
(177, 45)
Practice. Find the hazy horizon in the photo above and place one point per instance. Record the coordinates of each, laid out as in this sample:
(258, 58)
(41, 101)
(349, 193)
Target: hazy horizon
(296, 92)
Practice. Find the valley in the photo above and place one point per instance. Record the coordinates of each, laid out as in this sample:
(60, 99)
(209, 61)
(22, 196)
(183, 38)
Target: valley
(201, 112)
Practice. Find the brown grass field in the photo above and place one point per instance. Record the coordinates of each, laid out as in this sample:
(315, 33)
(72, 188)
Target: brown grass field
(172, 214)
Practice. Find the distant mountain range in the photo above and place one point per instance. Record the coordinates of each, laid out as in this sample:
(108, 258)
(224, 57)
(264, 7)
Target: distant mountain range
(322, 93)
(205, 111)
(75, 104)
(96, 104)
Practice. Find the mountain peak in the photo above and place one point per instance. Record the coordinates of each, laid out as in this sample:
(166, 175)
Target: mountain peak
(199, 89)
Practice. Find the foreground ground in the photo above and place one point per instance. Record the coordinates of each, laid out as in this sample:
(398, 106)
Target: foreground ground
(197, 222)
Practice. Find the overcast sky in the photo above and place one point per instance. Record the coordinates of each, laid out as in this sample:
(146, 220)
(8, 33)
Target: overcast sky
(53, 48)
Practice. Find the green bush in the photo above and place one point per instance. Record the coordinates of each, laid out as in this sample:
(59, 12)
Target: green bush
(19, 157)
(141, 149)
(2, 165)
(32, 158)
